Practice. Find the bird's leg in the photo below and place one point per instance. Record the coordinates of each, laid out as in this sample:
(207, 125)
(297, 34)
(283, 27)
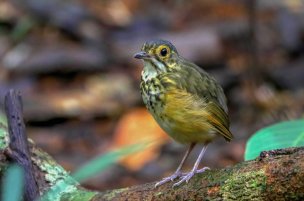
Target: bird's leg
(178, 172)
(187, 176)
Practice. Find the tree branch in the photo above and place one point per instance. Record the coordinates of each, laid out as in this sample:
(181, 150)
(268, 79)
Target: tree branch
(275, 175)
(18, 147)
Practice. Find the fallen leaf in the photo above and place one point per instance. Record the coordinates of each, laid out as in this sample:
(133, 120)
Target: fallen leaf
(138, 126)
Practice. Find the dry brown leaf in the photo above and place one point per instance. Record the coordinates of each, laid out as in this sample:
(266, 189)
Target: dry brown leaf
(138, 126)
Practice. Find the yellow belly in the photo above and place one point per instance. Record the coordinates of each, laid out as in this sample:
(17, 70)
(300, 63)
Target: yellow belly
(184, 118)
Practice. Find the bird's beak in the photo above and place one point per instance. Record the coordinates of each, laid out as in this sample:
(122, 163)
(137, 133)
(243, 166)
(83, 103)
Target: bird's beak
(142, 55)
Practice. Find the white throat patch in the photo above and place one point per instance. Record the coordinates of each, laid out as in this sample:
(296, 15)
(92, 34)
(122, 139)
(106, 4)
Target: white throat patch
(150, 71)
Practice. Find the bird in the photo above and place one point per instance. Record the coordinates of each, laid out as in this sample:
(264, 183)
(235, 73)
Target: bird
(186, 102)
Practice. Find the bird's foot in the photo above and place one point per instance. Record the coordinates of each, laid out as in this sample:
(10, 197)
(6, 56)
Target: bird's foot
(170, 178)
(185, 177)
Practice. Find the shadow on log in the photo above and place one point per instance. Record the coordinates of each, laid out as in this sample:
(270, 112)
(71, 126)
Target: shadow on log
(275, 175)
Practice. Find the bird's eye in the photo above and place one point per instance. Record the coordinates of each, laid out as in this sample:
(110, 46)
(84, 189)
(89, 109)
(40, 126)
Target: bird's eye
(164, 52)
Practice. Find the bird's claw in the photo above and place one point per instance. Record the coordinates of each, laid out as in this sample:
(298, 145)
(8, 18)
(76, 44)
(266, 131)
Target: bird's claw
(185, 177)
(202, 170)
(170, 178)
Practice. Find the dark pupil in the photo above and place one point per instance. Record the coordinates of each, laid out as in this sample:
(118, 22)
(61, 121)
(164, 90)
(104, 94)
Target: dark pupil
(164, 52)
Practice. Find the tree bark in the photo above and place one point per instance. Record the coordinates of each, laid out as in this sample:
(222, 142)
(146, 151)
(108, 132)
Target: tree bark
(274, 175)
(18, 150)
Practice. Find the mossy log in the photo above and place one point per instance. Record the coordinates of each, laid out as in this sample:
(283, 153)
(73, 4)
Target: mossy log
(274, 175)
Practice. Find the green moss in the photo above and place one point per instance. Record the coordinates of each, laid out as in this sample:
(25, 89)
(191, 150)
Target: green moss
(60, 181)
(248, 186)
(62, 187)
(110, 195)
(79, 195)
(4, 140)
(159, 193)
(53, 171)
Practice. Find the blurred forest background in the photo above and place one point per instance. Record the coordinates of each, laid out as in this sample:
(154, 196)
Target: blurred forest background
(73, 62)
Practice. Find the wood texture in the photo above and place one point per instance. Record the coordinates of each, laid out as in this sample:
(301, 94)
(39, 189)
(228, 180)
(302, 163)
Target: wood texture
(275, 175)
(18, 146)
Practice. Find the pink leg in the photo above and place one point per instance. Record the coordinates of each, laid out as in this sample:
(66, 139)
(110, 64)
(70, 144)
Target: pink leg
(178, 172)
(186, 177)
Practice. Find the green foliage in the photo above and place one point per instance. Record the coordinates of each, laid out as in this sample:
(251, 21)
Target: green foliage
(3, 119)
(100, 163)
(62, 183)
(12, 184)
(67, 186)
(3, 132)
(278, 136)
(23, 27)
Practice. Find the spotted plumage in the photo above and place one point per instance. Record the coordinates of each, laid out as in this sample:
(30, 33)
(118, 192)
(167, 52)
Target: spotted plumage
(184, 99)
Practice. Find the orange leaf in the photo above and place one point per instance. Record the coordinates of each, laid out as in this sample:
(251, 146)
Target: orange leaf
(138, 126)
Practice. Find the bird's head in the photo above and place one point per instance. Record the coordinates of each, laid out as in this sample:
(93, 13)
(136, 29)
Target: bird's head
(160, 54)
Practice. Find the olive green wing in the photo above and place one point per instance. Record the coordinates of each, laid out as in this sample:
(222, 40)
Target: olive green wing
(209, 92)
(207, 88)
(199, 82)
